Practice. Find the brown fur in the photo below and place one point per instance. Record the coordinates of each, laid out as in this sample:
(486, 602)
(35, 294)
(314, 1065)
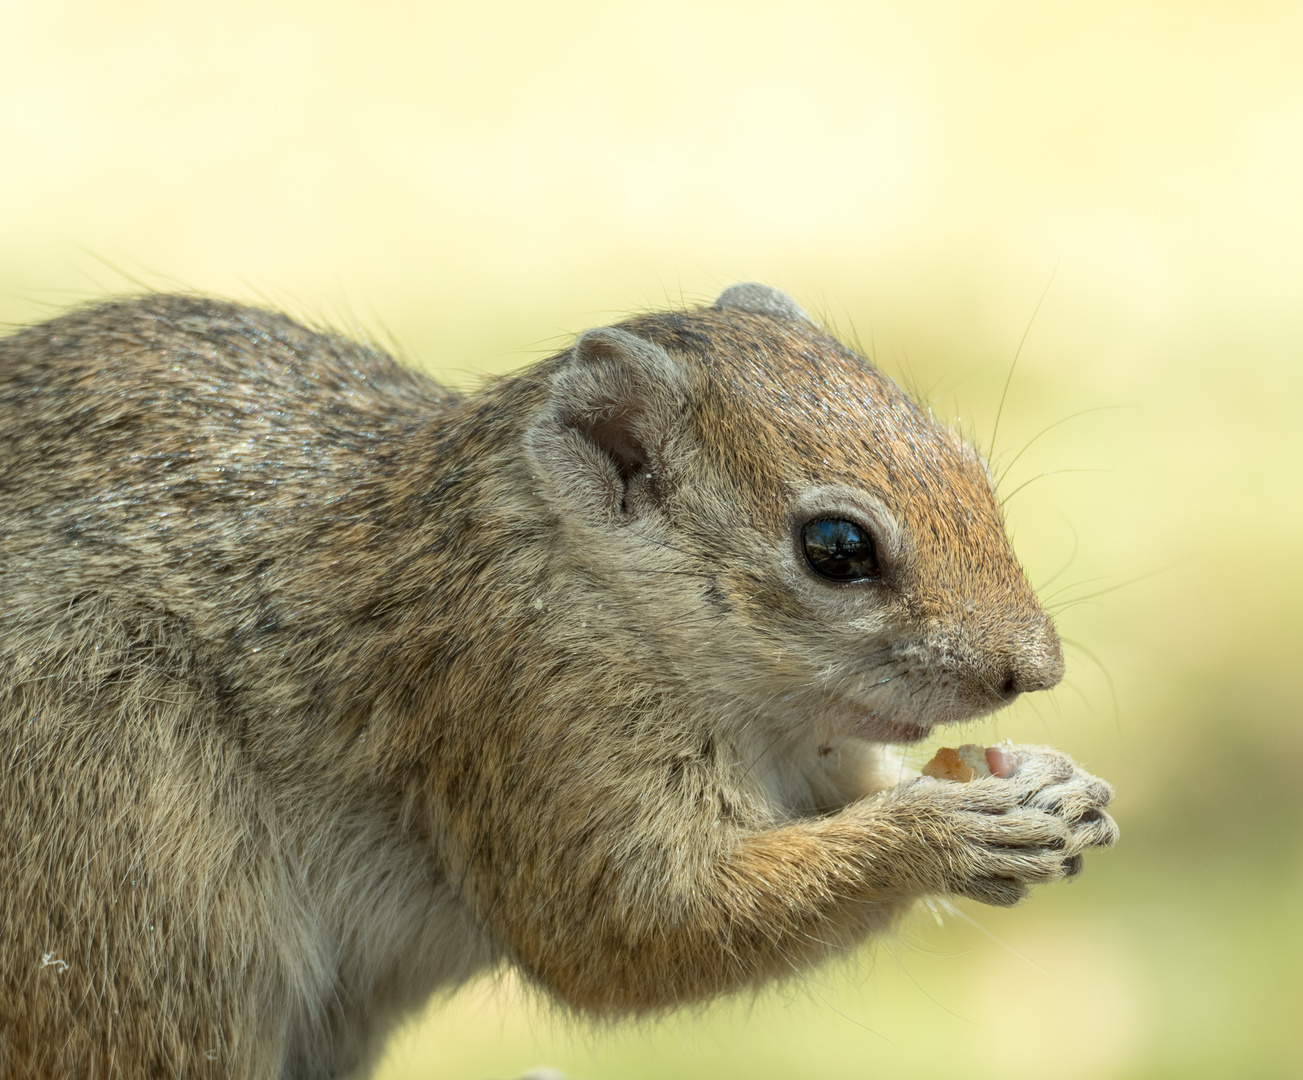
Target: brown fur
(323, 687)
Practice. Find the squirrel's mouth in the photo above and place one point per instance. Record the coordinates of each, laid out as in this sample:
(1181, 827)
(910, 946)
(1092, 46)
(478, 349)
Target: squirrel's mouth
(886, 730)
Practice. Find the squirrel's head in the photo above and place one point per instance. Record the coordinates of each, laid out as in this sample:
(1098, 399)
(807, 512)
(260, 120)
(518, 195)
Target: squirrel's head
(778, 529)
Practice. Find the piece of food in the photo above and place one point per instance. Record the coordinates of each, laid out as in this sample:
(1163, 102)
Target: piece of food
(968, 762)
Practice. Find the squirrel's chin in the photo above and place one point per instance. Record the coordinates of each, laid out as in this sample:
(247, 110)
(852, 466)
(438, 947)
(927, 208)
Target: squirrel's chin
(886, 730)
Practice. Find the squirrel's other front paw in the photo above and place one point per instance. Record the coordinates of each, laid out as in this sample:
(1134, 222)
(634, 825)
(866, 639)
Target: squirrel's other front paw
(995, 837)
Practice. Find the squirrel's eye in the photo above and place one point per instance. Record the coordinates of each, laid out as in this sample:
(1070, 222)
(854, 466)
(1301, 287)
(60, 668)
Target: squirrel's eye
(840, 550)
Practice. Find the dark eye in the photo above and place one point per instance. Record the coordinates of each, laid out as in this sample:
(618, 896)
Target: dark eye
(840, 550)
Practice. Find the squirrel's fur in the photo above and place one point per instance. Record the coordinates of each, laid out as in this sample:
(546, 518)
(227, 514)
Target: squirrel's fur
(323, 687)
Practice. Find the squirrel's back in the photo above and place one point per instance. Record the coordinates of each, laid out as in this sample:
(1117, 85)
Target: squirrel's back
(167, 456)
(138, 421)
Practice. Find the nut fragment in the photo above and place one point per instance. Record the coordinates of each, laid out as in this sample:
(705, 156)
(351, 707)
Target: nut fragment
(969, 762)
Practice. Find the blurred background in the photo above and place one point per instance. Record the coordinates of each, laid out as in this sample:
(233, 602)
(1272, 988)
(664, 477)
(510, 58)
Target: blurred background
(472, 184)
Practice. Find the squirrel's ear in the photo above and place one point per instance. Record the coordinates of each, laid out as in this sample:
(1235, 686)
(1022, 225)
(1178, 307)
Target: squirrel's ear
(760, 300)
(607, 434)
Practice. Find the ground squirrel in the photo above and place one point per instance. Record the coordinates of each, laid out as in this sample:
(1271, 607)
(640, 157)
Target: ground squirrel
(323, 687)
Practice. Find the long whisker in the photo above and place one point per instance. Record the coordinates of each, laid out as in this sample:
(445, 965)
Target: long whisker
(1076, 546)
(1112, 688)
(1053, 472)
(1049, 597)
(1132, 581)
(995, 429)
(1045, 431)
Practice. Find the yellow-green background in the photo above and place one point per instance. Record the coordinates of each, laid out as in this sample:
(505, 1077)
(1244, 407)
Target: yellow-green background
(476, 182)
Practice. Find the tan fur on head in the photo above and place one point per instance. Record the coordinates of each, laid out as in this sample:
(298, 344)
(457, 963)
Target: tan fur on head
(322, 687)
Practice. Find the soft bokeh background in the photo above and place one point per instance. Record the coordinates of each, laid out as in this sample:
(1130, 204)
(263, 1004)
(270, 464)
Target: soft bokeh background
(477, 182)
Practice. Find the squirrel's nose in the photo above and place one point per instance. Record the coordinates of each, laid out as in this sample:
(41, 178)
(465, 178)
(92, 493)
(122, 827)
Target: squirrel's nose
(1034, 663)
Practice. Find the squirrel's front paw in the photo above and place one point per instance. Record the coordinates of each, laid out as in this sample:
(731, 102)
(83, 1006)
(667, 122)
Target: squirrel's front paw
(997, 836)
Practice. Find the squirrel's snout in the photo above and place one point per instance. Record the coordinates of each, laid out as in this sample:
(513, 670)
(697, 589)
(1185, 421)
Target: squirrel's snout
(1035, 663)
(992, 668)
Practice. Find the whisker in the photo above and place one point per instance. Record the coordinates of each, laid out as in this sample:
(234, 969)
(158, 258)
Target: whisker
(995, 429)
(1134, 580)
(1058, 609)
(1053, 472)
(1075, 585)
(1076, 546)
(1046, 430)
(1112, 688)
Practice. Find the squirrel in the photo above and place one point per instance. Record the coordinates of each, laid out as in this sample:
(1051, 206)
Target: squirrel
(324, 687)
